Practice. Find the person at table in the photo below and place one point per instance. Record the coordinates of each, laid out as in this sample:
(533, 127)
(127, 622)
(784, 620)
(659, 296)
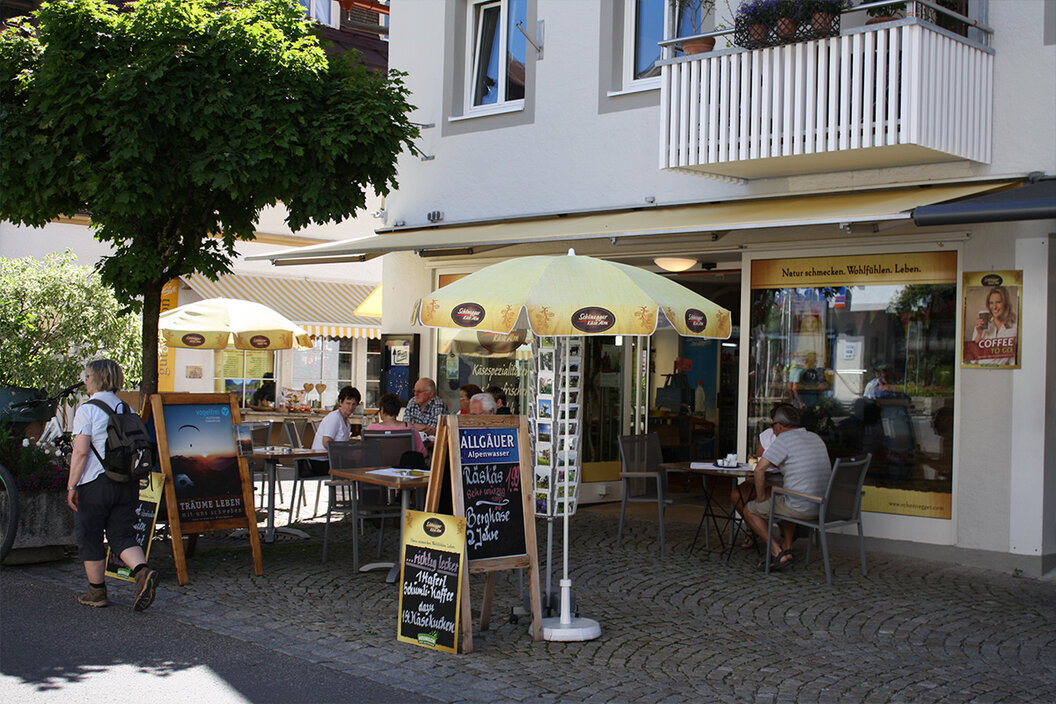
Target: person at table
(805, 467)
(879, 386)
(502, 407)
(389, 407)
(466, 392)
(424, 410)
(334, 426)
(264, 397)
(744, 492)
(482, 404)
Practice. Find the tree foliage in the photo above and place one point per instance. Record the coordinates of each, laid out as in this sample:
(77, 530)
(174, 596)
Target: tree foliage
(174, 122)
(56, 316)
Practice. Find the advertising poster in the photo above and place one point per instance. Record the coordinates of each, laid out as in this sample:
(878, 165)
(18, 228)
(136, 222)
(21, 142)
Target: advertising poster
(204, 461)
(990, 337)
(433, 569)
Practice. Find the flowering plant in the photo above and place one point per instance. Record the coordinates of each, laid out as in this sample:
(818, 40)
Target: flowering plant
(34, 468)
(833, 7)
(757, 12)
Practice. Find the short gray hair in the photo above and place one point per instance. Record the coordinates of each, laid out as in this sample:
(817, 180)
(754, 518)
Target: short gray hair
(486, 401)
(787, 415)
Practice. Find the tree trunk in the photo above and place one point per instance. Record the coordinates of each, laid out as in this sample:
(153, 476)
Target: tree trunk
(151, 311)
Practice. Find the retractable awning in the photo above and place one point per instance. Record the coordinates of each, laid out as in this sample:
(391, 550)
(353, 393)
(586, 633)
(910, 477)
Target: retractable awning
(861, 206)
(321, 307)
(1031, 201)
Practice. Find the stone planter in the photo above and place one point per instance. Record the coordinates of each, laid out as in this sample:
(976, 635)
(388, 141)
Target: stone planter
(45, 528)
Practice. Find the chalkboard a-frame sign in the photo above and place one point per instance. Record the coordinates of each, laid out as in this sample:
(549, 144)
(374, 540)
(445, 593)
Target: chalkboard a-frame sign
(484, 462)
(434, 598)
(207, 485)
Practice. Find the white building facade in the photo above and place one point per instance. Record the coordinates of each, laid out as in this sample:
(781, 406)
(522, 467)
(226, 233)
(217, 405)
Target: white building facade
(855, 200)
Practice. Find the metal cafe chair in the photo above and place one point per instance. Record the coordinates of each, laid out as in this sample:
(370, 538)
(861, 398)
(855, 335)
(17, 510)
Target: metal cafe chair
(348, 497)
(302, 472)
(641, 457)
(841, 506)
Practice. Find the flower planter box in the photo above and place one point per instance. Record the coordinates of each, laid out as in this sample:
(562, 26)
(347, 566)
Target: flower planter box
(45, 528)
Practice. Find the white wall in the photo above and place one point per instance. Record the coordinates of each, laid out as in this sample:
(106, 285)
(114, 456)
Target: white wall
(570, 157)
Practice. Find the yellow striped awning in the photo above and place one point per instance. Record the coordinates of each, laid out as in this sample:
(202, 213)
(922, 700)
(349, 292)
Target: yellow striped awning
(323, 308)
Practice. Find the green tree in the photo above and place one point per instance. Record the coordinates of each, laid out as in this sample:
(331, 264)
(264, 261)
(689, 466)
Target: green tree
(54, 317)
(172, 123)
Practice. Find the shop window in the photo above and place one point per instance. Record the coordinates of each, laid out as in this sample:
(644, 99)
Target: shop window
(865, 348)
(323, 370)
(485, 359)
(321, 11)
(242, 372)
(497, 51)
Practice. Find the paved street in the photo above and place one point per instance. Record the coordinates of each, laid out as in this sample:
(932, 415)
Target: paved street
(681, 628)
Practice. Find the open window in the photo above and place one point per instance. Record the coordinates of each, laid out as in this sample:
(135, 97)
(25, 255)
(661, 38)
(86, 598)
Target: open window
(496, 55)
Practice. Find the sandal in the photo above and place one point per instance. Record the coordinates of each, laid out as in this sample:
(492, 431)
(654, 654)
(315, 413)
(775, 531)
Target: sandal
(748, 542)
(779, 563)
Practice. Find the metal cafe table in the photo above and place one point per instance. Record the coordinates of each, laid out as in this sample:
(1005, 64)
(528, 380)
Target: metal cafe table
(713, 511)
(272, 456)
(406, 480)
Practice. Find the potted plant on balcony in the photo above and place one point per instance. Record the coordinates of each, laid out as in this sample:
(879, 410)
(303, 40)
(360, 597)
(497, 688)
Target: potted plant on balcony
(887, 13)
(753, 22)
(689, 21)
(788, 15)
(822, 17)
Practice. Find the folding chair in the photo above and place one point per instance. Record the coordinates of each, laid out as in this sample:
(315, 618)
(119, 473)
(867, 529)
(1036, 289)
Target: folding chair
(841, 506)
(641, 460)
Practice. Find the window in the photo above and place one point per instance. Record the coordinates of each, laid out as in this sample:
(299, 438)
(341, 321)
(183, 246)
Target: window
(242, 373)
(864, 348)
(497, 76)
(643, 25)
(322, 371)
(321, 12)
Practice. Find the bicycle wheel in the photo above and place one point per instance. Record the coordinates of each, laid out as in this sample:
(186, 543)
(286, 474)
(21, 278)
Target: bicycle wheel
(8, 511)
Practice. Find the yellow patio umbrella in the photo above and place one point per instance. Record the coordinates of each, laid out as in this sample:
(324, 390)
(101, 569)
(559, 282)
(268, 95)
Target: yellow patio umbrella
(570, 295)
(563, 297)
(218, 323)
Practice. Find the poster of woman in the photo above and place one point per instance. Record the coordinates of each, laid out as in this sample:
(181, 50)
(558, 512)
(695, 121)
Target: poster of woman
(991, 319)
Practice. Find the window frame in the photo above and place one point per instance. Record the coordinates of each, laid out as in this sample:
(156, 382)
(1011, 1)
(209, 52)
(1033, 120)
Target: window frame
(629, 82)
(475, 10)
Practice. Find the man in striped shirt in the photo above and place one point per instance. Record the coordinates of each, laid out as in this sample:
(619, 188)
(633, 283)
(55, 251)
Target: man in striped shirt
(804, 463)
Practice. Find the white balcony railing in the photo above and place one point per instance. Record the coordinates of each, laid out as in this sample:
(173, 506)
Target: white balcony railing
(898, 94)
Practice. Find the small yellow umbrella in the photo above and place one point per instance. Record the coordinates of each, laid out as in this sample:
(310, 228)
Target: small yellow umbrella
(570, 295)
(218, 323)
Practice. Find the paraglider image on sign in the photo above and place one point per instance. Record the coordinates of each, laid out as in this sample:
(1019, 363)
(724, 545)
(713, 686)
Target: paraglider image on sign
(204, 462)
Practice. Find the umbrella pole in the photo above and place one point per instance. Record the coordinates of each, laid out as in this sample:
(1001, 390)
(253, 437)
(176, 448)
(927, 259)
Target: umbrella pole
(564, 627)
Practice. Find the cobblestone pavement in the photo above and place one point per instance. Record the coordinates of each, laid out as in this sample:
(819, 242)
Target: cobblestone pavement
(685, 627)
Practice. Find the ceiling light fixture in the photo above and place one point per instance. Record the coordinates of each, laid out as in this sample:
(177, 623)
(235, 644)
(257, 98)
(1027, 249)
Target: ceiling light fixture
(675, 263)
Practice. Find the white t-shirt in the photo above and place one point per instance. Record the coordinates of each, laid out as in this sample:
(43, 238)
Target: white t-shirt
(89, 420)
(333, 426)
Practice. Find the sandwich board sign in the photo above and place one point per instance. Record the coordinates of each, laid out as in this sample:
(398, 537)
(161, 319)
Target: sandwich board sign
(434, 596)
(207, 482)
(482, 471)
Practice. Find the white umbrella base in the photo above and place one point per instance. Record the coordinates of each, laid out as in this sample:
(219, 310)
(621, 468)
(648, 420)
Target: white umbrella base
(576, 629)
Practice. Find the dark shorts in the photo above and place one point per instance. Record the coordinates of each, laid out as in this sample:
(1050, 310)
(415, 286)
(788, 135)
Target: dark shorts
(105, 505)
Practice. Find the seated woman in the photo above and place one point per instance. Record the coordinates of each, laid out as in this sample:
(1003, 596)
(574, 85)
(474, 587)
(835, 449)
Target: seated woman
(466, 392)
(389, 407)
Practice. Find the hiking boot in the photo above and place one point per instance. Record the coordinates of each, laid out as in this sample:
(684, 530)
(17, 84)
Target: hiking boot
(95, 596)
(146, 582)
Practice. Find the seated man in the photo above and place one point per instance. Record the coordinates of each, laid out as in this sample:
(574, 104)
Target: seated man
(502, 407)
(426, 407)
(804, 463)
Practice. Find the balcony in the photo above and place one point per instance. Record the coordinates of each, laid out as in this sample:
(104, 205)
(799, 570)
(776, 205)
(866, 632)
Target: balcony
(894, 94)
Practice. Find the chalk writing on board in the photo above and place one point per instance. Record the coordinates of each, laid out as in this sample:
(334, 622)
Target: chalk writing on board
(491, 485)
(429, 588)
